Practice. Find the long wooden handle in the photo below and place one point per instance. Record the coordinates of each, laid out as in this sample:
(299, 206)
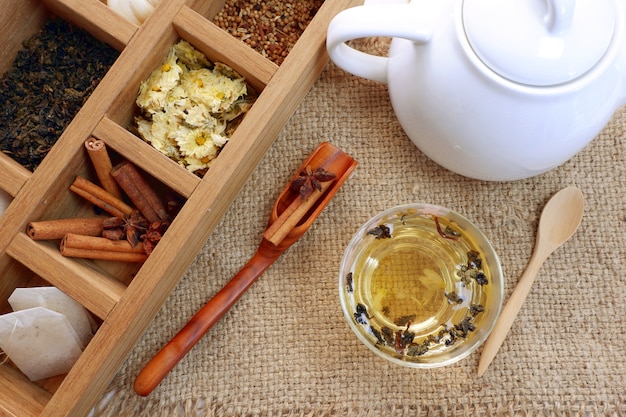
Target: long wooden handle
(164, 361)
(509, 313)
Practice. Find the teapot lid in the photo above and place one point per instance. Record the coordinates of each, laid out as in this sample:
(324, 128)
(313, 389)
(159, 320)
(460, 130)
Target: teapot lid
(540, 42)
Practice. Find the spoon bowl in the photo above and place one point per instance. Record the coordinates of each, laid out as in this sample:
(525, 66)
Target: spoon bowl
(559, 220)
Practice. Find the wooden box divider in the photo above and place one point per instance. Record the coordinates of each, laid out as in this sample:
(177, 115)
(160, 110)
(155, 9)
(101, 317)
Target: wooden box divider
(15, 175)
(98, 19)
(20, 397)
(97, 291)
(256, 69)
(151, 161)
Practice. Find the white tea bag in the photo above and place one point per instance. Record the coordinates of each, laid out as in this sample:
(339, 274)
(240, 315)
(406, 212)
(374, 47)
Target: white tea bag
(56, 300)
(40, 342)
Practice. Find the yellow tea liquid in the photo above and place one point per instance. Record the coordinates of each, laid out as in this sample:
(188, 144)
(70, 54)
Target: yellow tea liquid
(423, 286)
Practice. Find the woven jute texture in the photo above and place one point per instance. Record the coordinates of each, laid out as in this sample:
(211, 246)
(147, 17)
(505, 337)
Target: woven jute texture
(285, 349)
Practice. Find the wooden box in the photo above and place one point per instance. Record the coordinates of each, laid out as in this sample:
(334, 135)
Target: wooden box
(126, 297)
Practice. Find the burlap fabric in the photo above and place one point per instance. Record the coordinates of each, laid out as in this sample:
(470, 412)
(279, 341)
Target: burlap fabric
(285, 349)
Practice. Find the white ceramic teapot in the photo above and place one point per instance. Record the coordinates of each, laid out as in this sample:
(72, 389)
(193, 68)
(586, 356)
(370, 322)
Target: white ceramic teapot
(493, 89)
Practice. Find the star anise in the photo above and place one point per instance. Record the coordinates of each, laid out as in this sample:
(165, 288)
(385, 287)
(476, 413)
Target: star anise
(130, 227)
(310, 180)
(153, 235)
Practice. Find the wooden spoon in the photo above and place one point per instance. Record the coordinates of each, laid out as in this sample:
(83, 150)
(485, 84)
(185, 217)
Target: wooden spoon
(289, 212)
(559, 220)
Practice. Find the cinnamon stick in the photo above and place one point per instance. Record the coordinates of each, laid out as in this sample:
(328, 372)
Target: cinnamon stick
(100, 197)
(78, 246)
(58, 228)
(99, 156)
(139, 192)
(104, 255)
(73, 240)
(290, 217)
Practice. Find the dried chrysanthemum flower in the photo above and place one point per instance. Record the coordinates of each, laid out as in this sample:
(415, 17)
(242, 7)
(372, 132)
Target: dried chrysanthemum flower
(191, 107)
(160, 133)
(197, 143)
(213, 89)
(190, 56)
(154, 90)
(197, 164)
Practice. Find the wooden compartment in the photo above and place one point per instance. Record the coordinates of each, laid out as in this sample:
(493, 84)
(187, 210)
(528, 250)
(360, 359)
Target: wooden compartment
(125, 297)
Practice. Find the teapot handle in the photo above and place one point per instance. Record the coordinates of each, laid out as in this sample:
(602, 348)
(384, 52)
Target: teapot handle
(398, 20)
(560, 15)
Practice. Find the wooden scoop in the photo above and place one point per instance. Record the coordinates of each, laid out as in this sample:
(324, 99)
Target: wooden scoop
(289, 220)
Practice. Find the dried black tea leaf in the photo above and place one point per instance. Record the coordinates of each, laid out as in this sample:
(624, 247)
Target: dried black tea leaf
(50, 80)
(380, 232)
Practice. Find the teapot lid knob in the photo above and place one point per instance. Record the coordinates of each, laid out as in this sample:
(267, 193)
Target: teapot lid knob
(540, 43)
